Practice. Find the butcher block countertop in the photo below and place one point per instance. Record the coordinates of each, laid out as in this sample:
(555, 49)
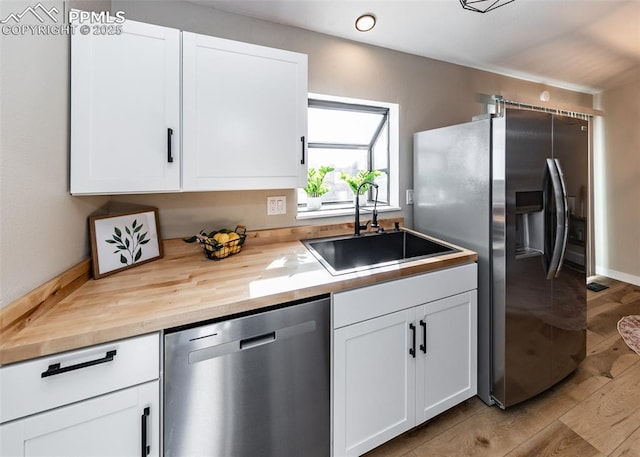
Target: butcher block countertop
(185, 287)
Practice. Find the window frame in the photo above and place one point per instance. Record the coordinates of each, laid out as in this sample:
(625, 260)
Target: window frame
(390, 113)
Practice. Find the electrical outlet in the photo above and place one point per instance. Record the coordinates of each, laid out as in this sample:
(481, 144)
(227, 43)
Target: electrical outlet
(276, 205)
(409, 196)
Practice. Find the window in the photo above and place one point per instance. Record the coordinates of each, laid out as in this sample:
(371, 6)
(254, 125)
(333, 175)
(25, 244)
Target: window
(351, 135)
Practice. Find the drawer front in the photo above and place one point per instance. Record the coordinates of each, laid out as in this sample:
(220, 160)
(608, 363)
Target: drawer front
(368, 302)
(56, 380)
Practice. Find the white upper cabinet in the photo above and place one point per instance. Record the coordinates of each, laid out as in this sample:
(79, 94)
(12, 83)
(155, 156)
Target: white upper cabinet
(125, 111)
(244, 115)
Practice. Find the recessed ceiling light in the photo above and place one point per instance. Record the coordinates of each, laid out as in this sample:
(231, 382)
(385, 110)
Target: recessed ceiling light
(365, 22)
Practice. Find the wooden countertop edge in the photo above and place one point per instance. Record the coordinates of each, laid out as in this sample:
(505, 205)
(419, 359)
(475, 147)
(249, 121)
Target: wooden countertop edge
(35, 307)
(54, 344)
(44, 297)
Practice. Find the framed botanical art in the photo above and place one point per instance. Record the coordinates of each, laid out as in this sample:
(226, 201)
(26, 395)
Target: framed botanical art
(121, 240)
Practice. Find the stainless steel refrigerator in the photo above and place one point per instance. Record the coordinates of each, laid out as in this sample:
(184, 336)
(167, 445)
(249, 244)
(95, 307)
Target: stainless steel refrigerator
(513, 188)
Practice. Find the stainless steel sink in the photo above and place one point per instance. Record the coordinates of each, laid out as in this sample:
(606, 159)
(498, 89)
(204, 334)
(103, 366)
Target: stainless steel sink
(346, 254)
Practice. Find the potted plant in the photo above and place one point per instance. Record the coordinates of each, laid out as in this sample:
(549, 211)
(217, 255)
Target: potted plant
(355, 181)
(316, 187)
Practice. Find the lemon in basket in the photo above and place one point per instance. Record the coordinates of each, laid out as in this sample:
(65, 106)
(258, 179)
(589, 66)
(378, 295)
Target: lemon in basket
(223, 249)
(234, 242)
(221, 238)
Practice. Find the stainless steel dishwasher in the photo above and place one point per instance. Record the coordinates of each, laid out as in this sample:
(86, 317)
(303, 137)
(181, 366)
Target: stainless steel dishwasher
(256, 385)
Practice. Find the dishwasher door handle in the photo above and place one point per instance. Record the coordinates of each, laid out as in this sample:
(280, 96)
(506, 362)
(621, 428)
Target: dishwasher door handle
(259, 340)
(237, 345)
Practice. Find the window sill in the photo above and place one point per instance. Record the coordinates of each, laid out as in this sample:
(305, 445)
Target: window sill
(304, 214)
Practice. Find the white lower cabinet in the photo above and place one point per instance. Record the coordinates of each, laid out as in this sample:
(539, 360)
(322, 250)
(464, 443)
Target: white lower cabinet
(447, 364)
(116, 424)
(99, 401)
(394, 369)
(374, 381)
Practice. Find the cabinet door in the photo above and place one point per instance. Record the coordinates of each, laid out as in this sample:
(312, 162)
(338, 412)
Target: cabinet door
(373, 382)
(125, 98)
(116, 424)
(244, 115)
(447, 354)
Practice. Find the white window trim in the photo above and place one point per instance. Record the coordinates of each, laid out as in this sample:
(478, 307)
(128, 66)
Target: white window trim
(394, 158)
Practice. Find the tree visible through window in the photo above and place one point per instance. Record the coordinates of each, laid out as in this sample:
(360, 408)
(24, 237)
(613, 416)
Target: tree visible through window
(349, 137)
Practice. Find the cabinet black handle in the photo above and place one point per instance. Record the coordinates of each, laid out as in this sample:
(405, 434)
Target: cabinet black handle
(302, 159)
(423, 346)
(146, 449)
(412, 350)
(57, 369)
(169, 135)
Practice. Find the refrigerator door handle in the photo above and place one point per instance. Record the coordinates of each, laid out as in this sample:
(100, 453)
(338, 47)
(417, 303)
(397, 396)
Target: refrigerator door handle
(556, 186)
(565, 217)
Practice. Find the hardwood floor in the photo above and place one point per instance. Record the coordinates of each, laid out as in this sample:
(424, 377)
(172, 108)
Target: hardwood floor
(594, 412)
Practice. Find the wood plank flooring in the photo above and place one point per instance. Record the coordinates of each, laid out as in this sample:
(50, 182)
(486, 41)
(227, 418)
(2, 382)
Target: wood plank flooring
(595, 412)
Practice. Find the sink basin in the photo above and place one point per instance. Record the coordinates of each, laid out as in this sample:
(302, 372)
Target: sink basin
(346, 254)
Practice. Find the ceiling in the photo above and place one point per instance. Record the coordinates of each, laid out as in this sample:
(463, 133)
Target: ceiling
(585, 45)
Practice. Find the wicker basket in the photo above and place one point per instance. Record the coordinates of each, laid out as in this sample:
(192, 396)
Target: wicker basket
(218, 251)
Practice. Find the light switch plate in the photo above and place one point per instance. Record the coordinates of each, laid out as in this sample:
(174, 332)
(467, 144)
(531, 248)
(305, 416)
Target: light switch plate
(276, 205)
(409, 196)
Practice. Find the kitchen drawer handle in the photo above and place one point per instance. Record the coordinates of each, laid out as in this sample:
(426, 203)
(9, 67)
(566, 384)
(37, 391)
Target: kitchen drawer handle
(146, 449)
(423, 346)
(57, 369)
(302, 159)
(169, 135)
(412, 350)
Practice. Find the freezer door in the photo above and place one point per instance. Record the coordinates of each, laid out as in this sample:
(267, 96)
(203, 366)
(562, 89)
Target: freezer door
(522, 297)
(570, 151)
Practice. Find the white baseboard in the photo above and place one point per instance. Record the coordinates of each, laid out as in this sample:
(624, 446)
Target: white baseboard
(620, 276)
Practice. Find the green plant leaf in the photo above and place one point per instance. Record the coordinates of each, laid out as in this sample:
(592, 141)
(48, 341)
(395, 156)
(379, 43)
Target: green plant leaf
(138, 228)
(126, 242)
(135, 221)
(127, 230)
(144, 241)
(138, 255)
(121, 247)
(143, 236)
(118, 231)
(315, 181)
(360, 177)
(123, 259)
(110, 241)
(117, 238)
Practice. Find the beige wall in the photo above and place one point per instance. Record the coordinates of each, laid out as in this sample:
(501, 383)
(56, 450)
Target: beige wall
(617, 184)
(44, 229)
